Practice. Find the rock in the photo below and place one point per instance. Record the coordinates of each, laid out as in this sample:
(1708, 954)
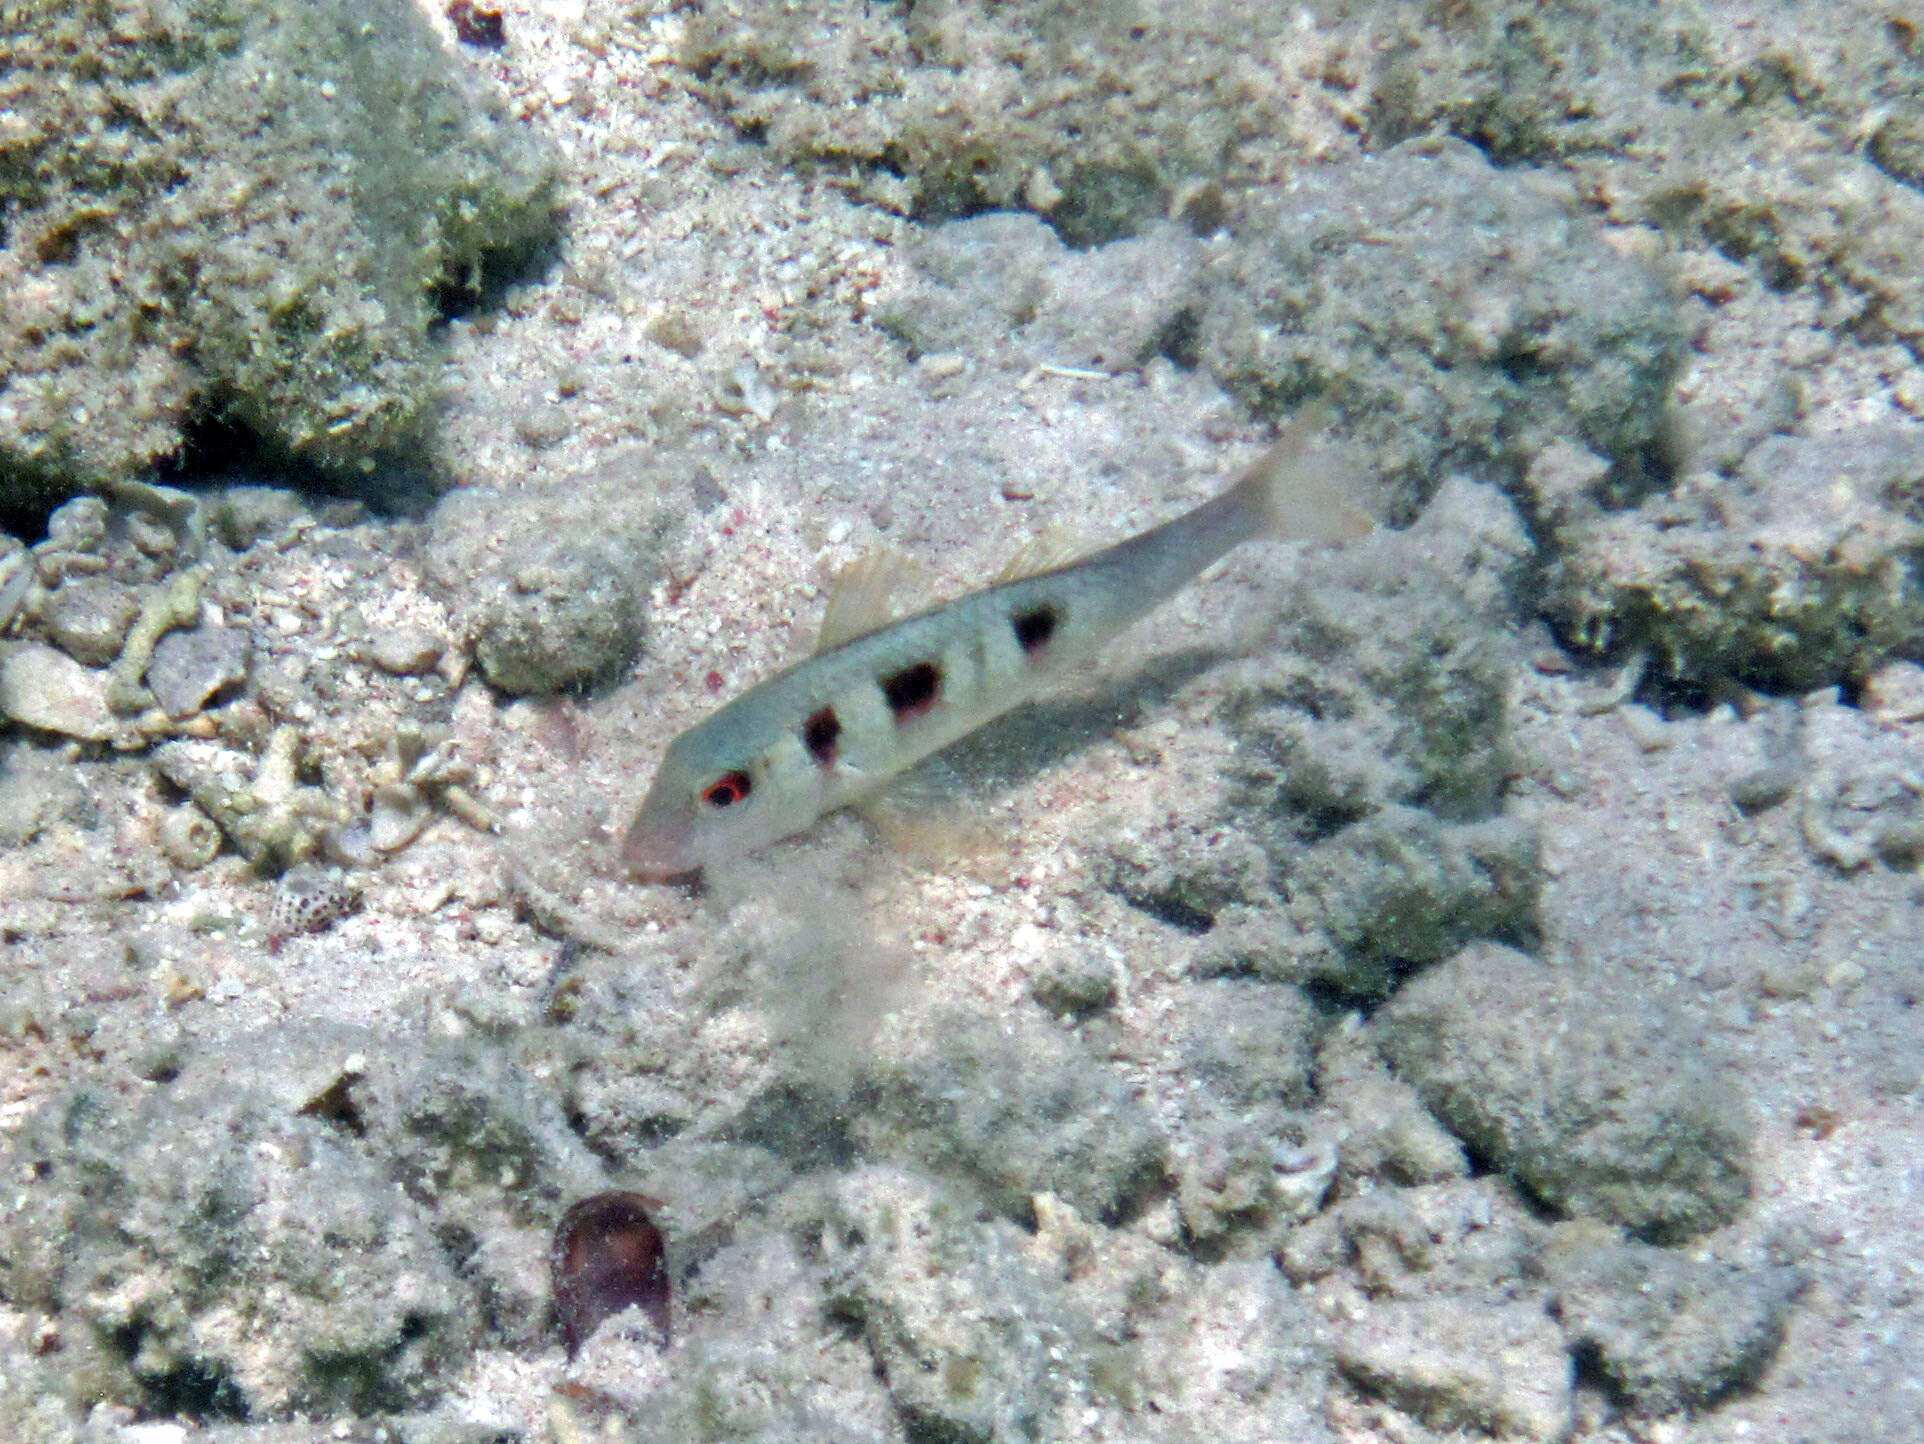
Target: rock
(309, 319)
(1242, 1180)
(88, 618)
(190, 669)
(1593, 1100)
(552, 599)
(1105, 129)
(1019, 1109)
(1460, 1363)
(1236, 1362)
(559, 614)
(1386, 678)
(1399, 890)
(42, 688)
(1859, 797)
(1402, 889)
(1796, 573)
(206, 1251)
(1188, 875)
(1247, 1043)
(1365, 832)
(1075, 980)
(456, 1126)
(79, 525)
(405, 651)
(999, 279)
(1461, 315)
(970, 1338)
(1463, 1236)
(1894, 693)
(1383, 1129)
(1669, 1331)
(244, 515)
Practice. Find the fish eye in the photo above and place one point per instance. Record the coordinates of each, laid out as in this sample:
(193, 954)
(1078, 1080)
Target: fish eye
(727, 790)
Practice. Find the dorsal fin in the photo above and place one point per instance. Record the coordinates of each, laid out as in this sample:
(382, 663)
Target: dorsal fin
(872, 591)
(1054, 546)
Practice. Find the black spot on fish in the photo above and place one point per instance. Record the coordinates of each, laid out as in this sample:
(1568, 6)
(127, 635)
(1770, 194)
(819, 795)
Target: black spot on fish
(1033, 626)
(911, 691)
(819, 735)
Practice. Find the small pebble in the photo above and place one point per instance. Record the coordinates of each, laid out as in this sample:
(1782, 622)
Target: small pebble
(188, 837)
(541, 428)
(244, 515)
(1765, 788)
(405, 651)
(42, 688)
(190, 669)
(1075, 982)
(151, 536)
(1895, 693)
(79, 525)
(88, 618)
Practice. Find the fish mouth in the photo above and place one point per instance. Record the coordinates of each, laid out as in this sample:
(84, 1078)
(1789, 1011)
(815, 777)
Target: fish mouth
(655, 853)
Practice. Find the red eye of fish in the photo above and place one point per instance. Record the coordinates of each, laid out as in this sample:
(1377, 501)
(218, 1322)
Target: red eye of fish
(727, 790)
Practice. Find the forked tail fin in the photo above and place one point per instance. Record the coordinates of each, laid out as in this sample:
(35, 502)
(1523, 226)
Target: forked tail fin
(1307, 486)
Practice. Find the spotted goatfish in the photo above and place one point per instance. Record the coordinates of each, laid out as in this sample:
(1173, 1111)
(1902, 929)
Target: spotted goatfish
(874, 700)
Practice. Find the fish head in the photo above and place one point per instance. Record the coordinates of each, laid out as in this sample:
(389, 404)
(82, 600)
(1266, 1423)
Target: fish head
(712, 801)
(659, 843)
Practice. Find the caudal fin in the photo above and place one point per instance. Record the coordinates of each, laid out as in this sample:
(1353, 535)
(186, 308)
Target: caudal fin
(1308, 486)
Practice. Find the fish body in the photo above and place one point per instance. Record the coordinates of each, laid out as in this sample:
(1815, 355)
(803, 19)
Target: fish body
(832, 730)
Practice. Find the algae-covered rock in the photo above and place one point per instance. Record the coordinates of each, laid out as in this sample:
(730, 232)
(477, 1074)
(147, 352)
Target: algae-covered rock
(554, 598)
(1462, 315)
(1459, 1363)
(1597, 1102)
(1097, 117)
(247, 207)
(1352, 713)
(455, 1124)
(1395, 892)
(1364, 832)
(1237, 1361)
(1668, 1330)
(985, 280)
(759, 1361)
(1244, 1042)
(971, 1339)
(1019, 1110)
(207, 1251)
(1800, 571)
(316, 1219)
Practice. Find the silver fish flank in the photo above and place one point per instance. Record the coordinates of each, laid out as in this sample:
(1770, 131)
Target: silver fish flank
(834, 729)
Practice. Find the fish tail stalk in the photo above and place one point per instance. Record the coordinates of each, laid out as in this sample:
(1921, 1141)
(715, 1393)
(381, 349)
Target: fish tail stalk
(1298, 490)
